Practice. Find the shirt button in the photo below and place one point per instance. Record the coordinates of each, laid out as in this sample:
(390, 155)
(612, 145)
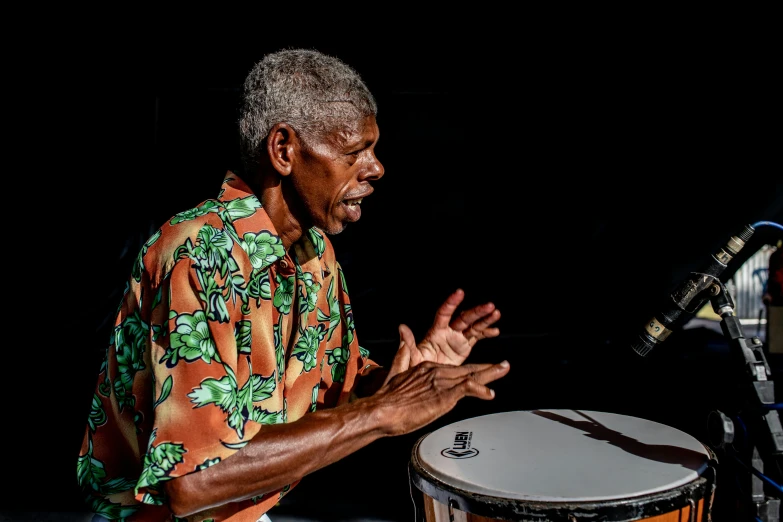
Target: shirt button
(283, 264)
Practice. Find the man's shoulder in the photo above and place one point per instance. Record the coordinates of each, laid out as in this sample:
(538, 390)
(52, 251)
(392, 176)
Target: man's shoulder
(189, 230)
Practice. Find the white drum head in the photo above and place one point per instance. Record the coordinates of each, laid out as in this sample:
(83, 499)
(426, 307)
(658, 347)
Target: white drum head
(561, 456)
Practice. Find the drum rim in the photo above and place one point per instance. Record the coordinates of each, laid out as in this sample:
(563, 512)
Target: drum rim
(629, 508)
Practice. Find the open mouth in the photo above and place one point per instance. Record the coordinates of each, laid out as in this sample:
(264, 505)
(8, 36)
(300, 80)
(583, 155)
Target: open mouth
(353, 209)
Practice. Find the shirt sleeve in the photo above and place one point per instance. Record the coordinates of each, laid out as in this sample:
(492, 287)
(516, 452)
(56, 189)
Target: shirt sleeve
(206, 389)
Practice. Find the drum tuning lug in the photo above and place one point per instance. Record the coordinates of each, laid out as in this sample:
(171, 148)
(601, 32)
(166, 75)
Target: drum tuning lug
(720, 429)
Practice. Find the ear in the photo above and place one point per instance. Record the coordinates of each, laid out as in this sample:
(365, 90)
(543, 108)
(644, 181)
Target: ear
(281, 146)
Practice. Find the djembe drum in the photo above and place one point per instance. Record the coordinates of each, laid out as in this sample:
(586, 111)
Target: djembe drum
(561, 465)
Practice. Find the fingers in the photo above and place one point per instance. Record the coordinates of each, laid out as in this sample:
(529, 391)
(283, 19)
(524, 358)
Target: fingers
(467, 380)
(481, 329)
(446, 310)
(474, 322)
(477, 318)
(474, 376)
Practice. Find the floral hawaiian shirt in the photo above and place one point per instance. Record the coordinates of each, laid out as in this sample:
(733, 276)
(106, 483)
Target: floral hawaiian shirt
(219, 332)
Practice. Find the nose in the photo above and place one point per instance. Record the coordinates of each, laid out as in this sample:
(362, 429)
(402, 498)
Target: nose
(374, 169)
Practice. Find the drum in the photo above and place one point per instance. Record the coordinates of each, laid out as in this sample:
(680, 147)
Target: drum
(561, 465)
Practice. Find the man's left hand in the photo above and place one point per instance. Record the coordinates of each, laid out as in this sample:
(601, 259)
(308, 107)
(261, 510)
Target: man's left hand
(450, 339)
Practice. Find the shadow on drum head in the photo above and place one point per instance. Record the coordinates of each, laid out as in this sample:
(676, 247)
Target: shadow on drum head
(666, 453)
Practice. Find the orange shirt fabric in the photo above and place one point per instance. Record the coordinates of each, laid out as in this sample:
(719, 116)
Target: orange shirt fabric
(219, 332)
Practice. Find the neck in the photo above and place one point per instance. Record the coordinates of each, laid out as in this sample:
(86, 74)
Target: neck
(270, 193)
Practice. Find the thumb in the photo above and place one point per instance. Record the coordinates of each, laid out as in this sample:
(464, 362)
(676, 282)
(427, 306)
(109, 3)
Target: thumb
(402, 360)
(406, 336)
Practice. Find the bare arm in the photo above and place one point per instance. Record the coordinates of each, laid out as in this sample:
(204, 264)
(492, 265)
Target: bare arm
(278, 455)
(283, 453)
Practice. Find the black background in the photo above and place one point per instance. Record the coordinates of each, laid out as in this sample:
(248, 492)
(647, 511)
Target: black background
(569, 173)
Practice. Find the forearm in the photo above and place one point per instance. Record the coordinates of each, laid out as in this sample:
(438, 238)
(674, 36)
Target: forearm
(279, 455)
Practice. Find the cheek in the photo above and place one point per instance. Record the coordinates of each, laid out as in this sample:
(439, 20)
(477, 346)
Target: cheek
(338, 184)
(325, 196)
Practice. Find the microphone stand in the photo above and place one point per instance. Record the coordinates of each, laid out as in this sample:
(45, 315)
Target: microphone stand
(749, 434)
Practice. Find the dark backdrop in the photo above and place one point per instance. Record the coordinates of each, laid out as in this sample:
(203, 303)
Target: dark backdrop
(571, 178)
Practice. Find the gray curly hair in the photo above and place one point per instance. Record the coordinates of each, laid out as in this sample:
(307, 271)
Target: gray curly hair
(311, 91)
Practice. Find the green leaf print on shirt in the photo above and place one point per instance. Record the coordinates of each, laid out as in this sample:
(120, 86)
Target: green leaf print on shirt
(263, 416)
(317, 239)
(341, 276)
(90, 476)
(263, 249)
(159, 462)
(212, 251)
(227, 210)
(243, 336)
(242, 207)
(338, 358)
(334, 310)
(279, 348)
(209, 206)
(191, 340)
(349, 326)
(308, 292)
(284, 294)
(211, 255)
(306, 346)
(165, 390)
(236, 401)
(138, 265)
(208, 463)
(314, 397)
(104, 386)
(110, 510)
(89, 471)
(347, 312)
(97, 415)
(237, 209)
(212, 296)
(257, 288)
(130, 340)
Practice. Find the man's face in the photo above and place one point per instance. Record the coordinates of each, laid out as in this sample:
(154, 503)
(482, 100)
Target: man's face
(333, 176)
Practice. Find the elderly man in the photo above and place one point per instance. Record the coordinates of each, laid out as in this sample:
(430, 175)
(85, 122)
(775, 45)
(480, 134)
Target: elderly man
(234, 368)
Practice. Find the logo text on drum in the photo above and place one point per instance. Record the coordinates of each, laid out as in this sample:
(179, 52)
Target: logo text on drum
(460, 448)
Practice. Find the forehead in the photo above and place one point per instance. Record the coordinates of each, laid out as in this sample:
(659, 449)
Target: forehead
(354, 132)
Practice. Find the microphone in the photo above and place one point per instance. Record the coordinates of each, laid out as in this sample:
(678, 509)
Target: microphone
(689, 296)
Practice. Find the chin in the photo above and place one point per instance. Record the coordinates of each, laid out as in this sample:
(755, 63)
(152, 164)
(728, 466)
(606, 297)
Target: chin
(332, 228)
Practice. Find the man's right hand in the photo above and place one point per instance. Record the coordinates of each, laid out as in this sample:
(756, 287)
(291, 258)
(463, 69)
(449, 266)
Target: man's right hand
(416, 397)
